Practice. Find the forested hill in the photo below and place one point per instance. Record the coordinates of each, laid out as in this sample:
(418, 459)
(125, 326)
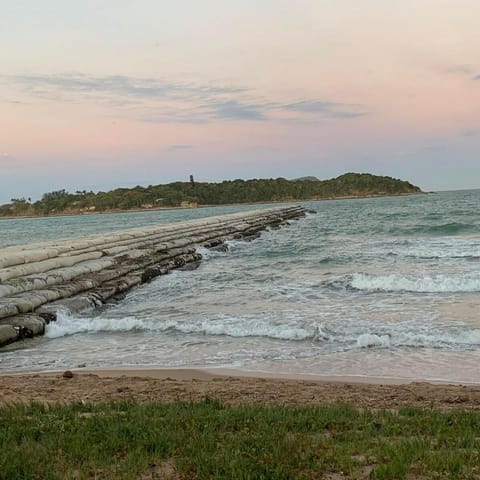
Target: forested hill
(190, 194)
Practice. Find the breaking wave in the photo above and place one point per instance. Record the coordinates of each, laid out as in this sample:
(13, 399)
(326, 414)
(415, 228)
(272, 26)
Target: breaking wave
(208, 253)
(70, 325)
(373, 340)
(465, 340)
(409, 283)
(229, 326)
(454, 248)
(341, 339)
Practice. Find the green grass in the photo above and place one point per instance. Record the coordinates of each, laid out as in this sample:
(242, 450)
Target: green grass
(123, 440)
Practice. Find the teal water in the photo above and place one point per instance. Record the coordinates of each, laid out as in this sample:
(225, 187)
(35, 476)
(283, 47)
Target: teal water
(385, 287)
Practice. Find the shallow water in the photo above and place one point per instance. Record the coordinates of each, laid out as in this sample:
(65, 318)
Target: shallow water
(385, 287)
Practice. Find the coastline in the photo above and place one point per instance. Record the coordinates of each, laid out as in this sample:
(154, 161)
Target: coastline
(233, 387)
(205, 373)
(208, 374)
(159, 209)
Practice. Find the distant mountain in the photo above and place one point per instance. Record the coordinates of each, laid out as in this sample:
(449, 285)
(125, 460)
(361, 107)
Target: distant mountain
(191, 194)
(310, 179)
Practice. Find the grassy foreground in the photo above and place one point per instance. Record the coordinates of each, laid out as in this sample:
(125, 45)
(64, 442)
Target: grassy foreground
(123, 440)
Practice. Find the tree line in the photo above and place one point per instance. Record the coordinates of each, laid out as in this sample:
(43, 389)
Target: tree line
(193, 193)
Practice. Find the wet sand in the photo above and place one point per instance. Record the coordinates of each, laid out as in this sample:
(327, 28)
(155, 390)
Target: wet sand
(233, 388)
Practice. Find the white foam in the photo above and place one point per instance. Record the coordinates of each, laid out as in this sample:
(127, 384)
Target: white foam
(391, 336)
(410, 283)
(244, 328)
(442, 249)
(444, 339)
(425, 339)
(230, 326)
(236, 244)
(373, 340)
(207, 253)
(70, 325)
(443, 253)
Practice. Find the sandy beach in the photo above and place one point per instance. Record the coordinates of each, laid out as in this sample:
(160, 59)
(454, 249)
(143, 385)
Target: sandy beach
(233, 388)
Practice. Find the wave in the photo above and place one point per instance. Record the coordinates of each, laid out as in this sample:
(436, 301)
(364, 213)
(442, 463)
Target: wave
(455, 248)
(70, 325)
(340, 259)
(208, 253)
(464, 339)
(373, 340)
(234, 245)
(460, 283)
(432, 254)
(452, 228)
(339, 339)
(228, 326)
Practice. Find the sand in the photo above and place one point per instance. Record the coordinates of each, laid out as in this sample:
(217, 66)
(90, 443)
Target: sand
(233, 389)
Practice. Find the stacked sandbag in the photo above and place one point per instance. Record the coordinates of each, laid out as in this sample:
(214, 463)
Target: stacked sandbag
(39, 280)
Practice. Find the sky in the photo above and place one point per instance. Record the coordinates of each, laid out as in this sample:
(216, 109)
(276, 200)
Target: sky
(100, 94)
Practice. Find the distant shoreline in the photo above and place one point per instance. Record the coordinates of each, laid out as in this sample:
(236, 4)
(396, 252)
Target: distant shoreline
(158, 209)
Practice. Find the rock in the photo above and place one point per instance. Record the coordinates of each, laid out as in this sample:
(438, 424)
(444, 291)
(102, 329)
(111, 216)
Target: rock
(190, 266)
(212, 243)
(8, 334)
(222, 247)
(30, 325)
(67, 374)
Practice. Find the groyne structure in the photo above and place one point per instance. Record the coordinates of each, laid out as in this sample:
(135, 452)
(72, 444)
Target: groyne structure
(39, 280)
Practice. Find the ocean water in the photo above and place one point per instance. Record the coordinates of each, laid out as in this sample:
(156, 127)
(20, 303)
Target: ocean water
(380, 287)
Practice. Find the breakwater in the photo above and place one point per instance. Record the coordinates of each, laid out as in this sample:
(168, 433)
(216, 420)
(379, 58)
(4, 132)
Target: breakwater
(39, 280)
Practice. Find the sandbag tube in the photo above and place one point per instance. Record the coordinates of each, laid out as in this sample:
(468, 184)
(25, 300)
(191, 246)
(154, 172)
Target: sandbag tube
(39, 280)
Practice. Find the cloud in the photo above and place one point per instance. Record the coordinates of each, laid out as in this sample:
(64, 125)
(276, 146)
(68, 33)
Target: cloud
(236, 110)
(174, 148)
(469, 71)
(470, 132)
(327, 109)
(434, 148)
(5, 156)
(464, 69)
(159, 100)
(117, 85)
(13, 102)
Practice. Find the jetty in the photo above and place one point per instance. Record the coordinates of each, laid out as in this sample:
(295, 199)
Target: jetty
(37, 281)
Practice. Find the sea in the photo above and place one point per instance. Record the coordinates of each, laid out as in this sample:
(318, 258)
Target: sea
(385, 288)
